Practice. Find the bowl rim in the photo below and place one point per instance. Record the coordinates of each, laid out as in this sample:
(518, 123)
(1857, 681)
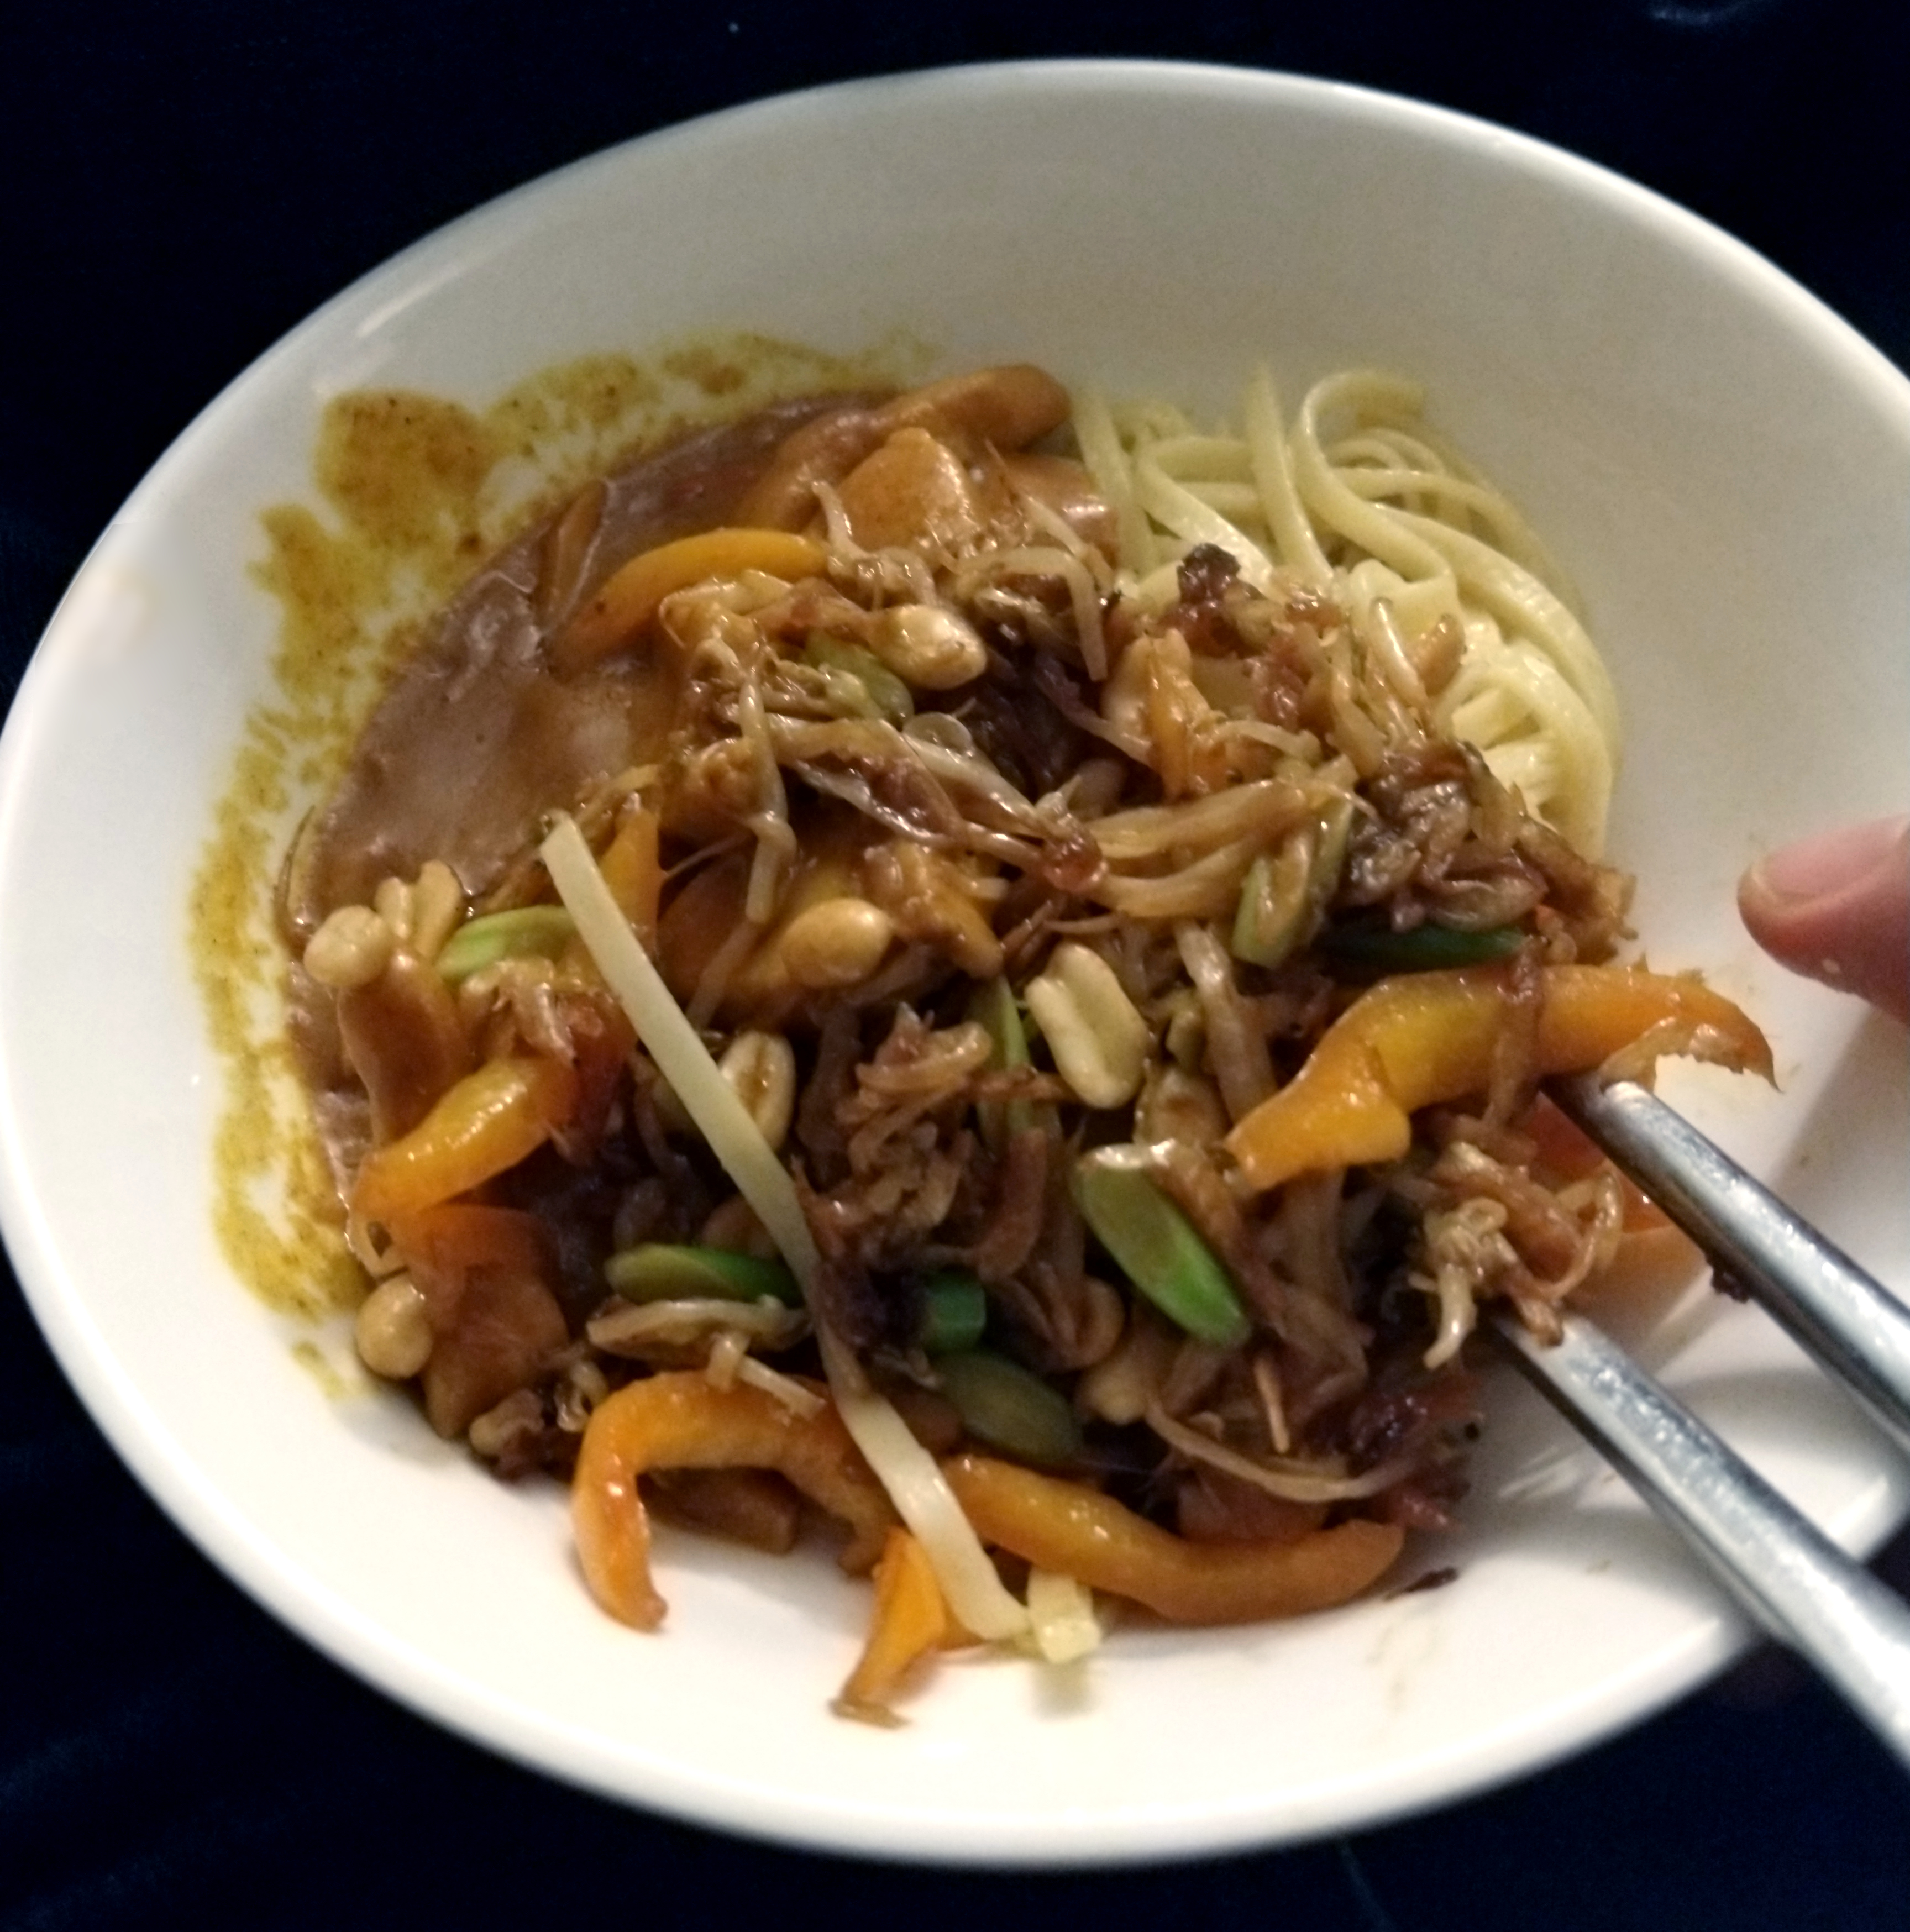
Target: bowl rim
(222, 1531)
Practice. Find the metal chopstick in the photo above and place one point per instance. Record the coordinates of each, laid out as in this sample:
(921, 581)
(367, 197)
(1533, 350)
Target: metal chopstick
(1791, 1577)
(1837, 1312)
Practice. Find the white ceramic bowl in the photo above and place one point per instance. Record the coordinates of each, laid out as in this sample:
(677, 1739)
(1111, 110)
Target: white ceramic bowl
(1722, 463)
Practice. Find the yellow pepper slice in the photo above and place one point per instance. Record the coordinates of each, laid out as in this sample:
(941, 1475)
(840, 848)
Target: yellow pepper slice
(910, 1619)
(1424, 1038)
(682, 1420)
(629, 598)
(632, 867)
(634, 871)
(1067, 1527)
(485, 1124)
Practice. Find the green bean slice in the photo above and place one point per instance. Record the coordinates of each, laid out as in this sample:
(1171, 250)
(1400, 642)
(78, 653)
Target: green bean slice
(1157, 1247)
(1010, 1408)
(660, 1271)
(1425, 949)
(523, 932)
(955, 1311)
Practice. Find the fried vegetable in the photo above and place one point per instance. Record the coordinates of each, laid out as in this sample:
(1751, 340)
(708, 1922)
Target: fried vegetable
(486, 1124)
(909, 1620)
(401, 1033)
(887, 696)
(1010, 1408)
(617, 615)
(683, 1420)
(993, 1004)
(1275, 905)
(1157, 1246)
(1428, 1037)
(908, 1473)
(659, 1271)
(524, 932)
(955, 1311)
(1423, 949)
(1065, 1526)
(633, 870)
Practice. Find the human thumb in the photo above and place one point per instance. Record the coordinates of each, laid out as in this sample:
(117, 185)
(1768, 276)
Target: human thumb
(1836, 907)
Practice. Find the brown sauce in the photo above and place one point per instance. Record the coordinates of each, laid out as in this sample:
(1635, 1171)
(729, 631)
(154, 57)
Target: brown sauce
(425, 506)
(476, 735)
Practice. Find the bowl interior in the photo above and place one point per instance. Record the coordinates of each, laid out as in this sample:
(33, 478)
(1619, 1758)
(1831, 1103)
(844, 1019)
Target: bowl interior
(1720, 464)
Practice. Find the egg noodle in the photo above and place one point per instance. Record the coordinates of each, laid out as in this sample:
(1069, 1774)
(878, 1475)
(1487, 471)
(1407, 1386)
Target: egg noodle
(1359, 493)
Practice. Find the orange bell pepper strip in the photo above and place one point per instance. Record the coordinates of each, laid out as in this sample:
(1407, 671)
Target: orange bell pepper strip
(910, 1619)
(485, 1124)
(1423, 1038)
(629, 598)
(682, 1420)
(1064, 1526)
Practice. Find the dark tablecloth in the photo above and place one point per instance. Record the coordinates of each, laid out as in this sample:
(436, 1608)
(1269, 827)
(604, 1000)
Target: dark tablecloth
(182, 185)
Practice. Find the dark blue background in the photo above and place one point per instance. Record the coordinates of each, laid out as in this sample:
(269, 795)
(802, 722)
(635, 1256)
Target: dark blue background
(181, 186)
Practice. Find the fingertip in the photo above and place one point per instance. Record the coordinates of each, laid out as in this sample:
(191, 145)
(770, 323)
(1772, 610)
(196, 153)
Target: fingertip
(1836, 907)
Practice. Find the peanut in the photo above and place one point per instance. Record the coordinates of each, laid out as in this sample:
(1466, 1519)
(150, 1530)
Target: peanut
(761, 1067)
(837, 943)
(392, 1330)
(1098, 1038)
(351, 949)
(928, 647)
